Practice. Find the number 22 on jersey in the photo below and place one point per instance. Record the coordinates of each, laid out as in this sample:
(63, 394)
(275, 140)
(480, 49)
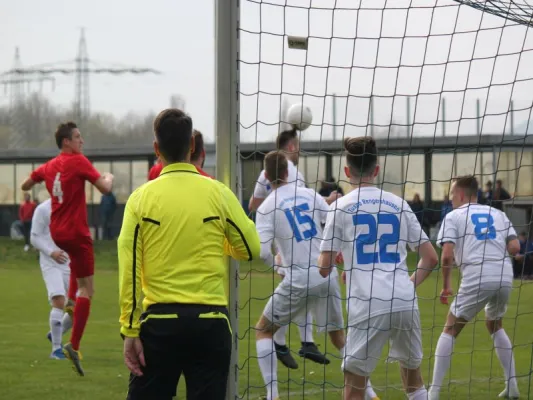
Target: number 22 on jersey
(373, 222)
(57, 191)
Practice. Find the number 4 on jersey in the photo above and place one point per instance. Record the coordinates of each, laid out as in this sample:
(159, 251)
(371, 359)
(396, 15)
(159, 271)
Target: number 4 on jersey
(57, 191)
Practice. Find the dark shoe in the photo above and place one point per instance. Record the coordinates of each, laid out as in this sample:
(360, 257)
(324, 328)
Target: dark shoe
(284, 355)
(311, 352)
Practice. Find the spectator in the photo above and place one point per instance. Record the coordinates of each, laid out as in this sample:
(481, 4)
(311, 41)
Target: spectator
(446, 207)
(418, 209)
(499, 195)
(481, 197)
(488, 192)
(523, 261)
(108, 206)
(25, 215)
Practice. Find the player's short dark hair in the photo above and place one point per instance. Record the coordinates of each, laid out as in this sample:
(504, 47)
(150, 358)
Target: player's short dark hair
(198, 145)
(64, 131)
(285, 137)
(173, 131)
(361, 154)
(468, 183)
(276, 166)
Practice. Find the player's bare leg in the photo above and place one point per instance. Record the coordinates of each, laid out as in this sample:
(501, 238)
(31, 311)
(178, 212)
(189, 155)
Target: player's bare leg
(443, 352)
(504, 351)
(413, 384)
(81, 315)
(266, 356)
(338, 339)
(354, 386)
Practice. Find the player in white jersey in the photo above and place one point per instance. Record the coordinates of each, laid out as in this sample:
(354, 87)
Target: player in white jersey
(480, 239)
(373, 228)
(291, 219)
(56, 274)
(288, 142)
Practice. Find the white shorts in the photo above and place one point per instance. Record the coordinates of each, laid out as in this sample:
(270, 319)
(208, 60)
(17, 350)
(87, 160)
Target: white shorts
(289, 304)
(492, 296)
(365, 342)
(56, 280)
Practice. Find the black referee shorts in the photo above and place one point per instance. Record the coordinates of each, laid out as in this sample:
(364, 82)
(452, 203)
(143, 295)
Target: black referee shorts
(193, 340)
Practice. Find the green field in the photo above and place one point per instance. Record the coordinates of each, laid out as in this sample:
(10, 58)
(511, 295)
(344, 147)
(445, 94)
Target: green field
(27, 373)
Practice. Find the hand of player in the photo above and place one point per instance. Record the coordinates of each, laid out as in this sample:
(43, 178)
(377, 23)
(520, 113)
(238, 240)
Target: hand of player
(339, 259)
(59, 256)
(333, 197)
(343, 275)
(444, 295)
(134, 355)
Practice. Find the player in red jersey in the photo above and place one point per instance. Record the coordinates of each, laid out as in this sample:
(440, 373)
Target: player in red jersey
(65, 177)
(197, 158)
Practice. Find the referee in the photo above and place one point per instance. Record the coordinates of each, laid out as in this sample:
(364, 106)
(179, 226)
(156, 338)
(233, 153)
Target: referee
(171, 248)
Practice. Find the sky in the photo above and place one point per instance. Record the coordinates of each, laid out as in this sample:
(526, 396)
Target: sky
(432, 51)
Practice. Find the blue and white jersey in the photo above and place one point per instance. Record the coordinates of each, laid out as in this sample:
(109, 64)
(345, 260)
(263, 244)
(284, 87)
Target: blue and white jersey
(373, 228)
(480, 234)
(291, 218)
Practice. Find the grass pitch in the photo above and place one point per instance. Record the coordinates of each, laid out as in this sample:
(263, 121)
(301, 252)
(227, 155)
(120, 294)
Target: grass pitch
(27, 373)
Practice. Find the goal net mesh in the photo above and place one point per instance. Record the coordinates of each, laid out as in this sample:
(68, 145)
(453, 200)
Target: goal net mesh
(446, 89)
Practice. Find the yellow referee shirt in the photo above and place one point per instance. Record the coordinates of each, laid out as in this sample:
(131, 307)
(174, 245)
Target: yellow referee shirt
(174, 235)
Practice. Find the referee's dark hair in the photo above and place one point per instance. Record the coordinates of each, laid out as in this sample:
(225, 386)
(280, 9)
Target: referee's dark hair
(468, 184)
(173, 131)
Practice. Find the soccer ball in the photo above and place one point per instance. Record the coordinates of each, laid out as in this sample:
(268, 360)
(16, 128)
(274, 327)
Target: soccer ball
(299, 117)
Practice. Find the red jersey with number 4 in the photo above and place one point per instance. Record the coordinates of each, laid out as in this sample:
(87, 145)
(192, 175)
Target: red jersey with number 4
(65, 177)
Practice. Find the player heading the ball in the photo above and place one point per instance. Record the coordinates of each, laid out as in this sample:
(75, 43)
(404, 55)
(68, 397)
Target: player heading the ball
(65, 177)
(372, 228)
(291, 219)
(479, 238)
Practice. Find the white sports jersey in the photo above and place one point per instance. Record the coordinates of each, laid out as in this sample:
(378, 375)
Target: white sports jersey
(372, 228)
(263, 188)
(292, 217)
(480, 234)
(41, 238)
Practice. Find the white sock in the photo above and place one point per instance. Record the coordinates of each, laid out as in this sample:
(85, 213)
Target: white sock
(279, 336)
(56, 330)
(443, 357)
(370, 390)
(419, 394)
(67, 322)
(504, 351)
(268, 364)
(306, 332)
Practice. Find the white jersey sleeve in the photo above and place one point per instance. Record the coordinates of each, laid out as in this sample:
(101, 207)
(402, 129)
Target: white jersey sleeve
(40, 230)
(262, 186)
(415, 235)
(300, 180)
(448, 231)
(264, 222)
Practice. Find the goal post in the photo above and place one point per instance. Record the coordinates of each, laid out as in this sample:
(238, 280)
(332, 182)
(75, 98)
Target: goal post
(227, 147)
(445, 89)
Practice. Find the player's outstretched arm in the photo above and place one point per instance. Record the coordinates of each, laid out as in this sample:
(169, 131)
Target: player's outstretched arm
(242, 240)
(426, 265)
(104, 184)
(130, 255)
(28, 184)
